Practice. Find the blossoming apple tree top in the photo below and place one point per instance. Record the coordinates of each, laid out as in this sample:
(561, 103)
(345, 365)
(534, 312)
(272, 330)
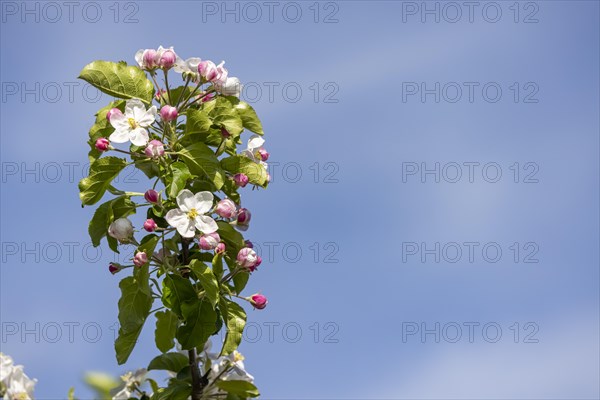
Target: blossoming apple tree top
(192, 262)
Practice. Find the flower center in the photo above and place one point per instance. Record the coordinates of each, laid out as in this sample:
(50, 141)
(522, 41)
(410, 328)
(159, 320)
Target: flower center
(192, 214)
(237, 356)
(132, 123)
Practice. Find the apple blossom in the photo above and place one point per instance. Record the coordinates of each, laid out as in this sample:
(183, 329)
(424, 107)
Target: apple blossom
(226, 208)
(102, 144)
(188, 67)
(15, 383)
(146, 59)
(132, 125)
(220, 249)
(132, 382)
(258, 261)
(258, 301)
(253, 150)
(168, 113)
(241, 180)
(247, 258)
(243, 219)
(190, 214)
(165, 58)
(264, 154)
(140, 259)
(216, 74)
(155, 149)
(121, 229)
(112, 112)
(229, 87)
(209, 241)
(150, 225)
(151, 196)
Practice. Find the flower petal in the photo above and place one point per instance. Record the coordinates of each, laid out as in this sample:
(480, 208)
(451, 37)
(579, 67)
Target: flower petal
(148, 117)
(204, 202)
(255, 142)
(119, 136)
(186, 200)
(205, 224)
(139, 56)
(181, 222)
(139, 136)
(119, 121)
(134, 106)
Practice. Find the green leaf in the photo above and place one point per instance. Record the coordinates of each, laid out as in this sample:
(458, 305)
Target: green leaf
(181, 174)
(169, 362)
(200, 323)
(224, 115)
(234, 241)
(177, 290)
(175, 391)
(239, 388)
(202, 162)
(240, 280)
(105, 214)
(119, 80)
(217, 263)
(102, 172)
(197, 123)
(166, 326)
(235, 320)
(101, 383)
(134, 308)
(207, 280)
(248, 115)
(257, 174)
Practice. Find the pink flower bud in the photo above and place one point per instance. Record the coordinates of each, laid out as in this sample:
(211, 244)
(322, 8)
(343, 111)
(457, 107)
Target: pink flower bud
(244, 216)
(258, 261)
(225, 133)
(264, 155)
(112, 112)
(208, 70)
(150, 225)
(220, 249)
(246, 258)
(140, 259)
(240, 179)
(226, 208)
(249, 244)
(167, 59)
(168, 113)
(209, 241)
(151, 196)
(114, 268)
(258, 301)
(155, 149)
(102, 144)
(149, 59)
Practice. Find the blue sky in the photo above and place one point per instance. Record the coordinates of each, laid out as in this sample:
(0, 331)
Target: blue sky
(354, 219)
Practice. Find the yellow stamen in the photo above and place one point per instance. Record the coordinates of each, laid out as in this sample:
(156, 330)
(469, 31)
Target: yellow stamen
(192, 214)
(132, 123)
(238, 356)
